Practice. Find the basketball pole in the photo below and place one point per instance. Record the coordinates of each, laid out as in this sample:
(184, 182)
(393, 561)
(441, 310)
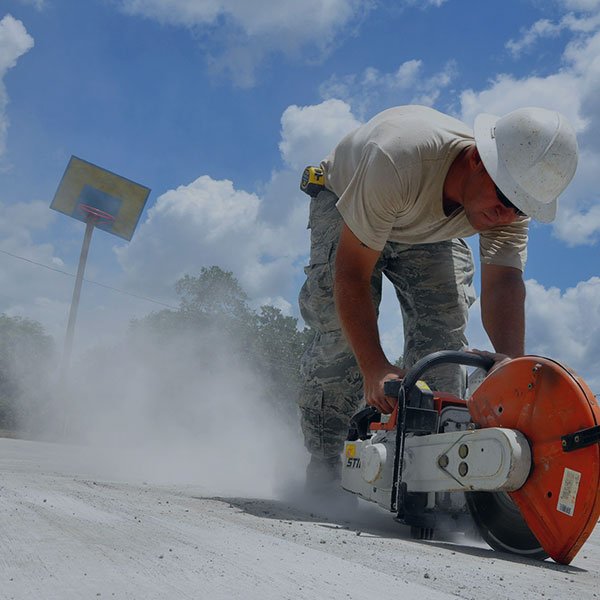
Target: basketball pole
(87, 238)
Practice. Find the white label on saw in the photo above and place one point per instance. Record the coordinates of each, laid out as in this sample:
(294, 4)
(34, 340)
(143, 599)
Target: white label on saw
(568, 492)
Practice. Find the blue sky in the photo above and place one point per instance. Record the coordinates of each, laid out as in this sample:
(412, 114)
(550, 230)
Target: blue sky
(217, 105)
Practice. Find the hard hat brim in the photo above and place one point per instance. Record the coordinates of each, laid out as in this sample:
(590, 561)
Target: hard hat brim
(484, 133)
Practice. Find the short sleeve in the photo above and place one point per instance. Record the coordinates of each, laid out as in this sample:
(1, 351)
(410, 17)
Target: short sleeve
(506, 245)
(373, 200)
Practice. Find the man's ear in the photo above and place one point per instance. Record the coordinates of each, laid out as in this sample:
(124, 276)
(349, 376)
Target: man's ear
(475, 159)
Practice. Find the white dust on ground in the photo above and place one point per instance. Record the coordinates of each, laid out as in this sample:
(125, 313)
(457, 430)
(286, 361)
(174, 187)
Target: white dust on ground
(67, 535)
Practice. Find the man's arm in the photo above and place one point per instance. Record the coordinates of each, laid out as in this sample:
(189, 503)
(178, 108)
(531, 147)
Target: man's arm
(503, 308)
(352, 291)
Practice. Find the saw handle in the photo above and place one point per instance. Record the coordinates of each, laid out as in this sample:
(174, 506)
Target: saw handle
(391, 388)
(360, 422)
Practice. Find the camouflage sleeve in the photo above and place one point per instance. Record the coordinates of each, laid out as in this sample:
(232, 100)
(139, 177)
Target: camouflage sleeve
(505, 246)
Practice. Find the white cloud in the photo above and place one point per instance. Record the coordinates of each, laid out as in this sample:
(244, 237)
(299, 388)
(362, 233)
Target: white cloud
(309, 133)
(542, 28)
(27, 289)
(242, 33)
(545, 28)
(38, 4)
(423, 3)
(580, 227)
(14, 42)
(584, 5)
(557, 92)
(205, 223)
(566, 326)
(372, 90)
(259, 17)
(260, 238)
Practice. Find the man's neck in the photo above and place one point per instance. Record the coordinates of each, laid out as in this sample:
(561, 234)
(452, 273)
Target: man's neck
(455, 181)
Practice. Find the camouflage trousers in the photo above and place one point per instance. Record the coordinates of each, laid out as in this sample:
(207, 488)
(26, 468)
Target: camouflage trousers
(434, 285)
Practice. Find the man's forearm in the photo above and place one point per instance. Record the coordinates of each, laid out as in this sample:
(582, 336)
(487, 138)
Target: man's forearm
(503, 314)
(354, 266)
(358, 319)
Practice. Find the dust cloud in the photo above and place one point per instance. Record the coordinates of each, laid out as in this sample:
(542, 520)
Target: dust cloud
(184, 409)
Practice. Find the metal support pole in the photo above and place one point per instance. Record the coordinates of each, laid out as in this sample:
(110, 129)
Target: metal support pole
(87, 238)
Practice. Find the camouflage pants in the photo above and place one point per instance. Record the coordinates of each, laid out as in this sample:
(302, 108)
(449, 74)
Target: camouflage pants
(433, 283)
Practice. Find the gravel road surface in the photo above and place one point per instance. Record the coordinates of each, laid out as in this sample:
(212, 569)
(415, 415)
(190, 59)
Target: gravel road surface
(68, 532)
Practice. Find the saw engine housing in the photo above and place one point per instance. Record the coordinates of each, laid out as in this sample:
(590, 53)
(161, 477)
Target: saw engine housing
(507, 456)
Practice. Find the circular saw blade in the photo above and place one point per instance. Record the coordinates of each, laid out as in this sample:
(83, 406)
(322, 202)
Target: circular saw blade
(501, 525)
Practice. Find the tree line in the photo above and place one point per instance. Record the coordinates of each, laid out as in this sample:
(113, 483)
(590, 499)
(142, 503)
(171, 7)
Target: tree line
(213, 310)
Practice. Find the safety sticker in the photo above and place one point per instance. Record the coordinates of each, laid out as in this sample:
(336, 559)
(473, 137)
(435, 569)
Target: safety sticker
(350, 450)
(568, 492)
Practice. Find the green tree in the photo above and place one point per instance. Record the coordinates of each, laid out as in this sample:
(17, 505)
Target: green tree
(215, 293)
(213, 304)
(280, 348)
(213, 300)
(27, 357)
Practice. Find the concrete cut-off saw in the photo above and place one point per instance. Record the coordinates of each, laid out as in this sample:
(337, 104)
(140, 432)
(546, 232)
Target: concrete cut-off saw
(520, 458)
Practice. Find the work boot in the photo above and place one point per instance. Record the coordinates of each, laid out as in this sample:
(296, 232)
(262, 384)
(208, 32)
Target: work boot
(324, 476)
(324, 485)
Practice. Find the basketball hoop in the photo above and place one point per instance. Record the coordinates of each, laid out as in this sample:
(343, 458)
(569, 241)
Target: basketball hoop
(97, 216)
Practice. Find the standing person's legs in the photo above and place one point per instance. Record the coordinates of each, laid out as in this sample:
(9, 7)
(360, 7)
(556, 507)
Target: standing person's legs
(434, 284)
(332, 386)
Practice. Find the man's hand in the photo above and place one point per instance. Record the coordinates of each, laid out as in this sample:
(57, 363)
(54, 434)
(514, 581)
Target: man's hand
(499, 359)
(373, 383)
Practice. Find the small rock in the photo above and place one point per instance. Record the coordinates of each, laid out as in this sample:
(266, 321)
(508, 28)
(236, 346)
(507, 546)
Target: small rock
(427, 576)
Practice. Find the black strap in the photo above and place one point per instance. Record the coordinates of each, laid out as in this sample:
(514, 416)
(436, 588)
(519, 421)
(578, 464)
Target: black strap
(581, 439)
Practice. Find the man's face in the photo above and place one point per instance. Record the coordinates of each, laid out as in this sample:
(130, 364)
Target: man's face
(481, 203)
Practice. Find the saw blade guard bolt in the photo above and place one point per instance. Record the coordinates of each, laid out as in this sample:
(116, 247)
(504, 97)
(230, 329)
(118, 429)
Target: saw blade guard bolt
(463, 451)
(443, 461)
(463, 469)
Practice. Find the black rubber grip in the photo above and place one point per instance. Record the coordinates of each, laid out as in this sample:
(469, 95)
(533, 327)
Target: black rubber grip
(443, 357)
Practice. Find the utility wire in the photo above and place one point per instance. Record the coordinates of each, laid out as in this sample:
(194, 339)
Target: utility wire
(108, 287)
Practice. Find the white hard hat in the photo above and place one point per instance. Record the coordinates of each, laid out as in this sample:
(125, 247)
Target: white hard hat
(531, 155)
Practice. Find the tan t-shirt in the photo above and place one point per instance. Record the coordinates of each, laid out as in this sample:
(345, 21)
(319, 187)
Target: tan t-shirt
(389, 176)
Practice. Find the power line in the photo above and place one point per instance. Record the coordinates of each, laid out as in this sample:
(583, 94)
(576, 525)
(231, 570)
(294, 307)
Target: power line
(108, 287)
